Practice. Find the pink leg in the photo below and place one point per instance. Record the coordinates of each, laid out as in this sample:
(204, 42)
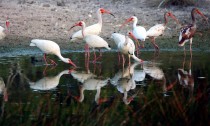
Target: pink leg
(137, 49)
(154, 44)
(191, 44)
(45, 59)
(52, 61)
(99, 55)
(87, 51)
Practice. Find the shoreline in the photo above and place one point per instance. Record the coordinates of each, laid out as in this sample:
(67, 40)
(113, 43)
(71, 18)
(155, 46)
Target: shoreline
(45, 20)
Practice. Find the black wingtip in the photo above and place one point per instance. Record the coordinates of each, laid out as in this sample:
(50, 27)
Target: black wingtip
(109, 46)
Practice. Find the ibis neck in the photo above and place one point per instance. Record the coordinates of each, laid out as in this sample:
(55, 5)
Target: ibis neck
(63, 72)
(135, 23)
(193, 17)
(81, 97)
(83, 31)
(166, 19)
(97, 96)
(136, 58)
(62, 58)
(99, 15)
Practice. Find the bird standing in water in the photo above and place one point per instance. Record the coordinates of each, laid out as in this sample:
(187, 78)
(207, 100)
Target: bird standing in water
(187, 32)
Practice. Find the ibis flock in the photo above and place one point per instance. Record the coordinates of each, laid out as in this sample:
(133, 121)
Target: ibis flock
(127, 44)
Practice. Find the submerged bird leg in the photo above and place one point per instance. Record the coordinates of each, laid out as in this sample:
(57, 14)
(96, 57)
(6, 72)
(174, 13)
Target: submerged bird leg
(100, 55)
(87, 51)
(137, 49)
(52, 61)
(45, 59)
(46, 69)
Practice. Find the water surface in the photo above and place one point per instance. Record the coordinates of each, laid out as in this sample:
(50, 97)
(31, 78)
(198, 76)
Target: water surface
(170, 89)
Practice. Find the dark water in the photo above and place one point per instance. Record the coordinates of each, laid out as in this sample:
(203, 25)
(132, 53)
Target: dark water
(169, 90)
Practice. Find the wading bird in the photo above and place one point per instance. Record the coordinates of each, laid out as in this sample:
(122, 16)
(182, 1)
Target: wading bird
(159, 29)
(187, 32)
(50, 47)
(94, 29)
(48, 83)
(93, 41)
(138, 31)
(125, 45)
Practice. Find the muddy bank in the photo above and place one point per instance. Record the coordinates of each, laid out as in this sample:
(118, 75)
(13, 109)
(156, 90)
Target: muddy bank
(49, 20)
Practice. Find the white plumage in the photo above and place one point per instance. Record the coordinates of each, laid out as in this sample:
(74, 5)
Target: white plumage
(82, 76)
(159, 29)
(125, 81)
(153, 71)
(95, 41)
(50, 47)
(138, 31)
(156, 30)
(47, 83)
(90, 30)
(92, 41)
(125, 45)
(92, 84)
(94, 29)
(2, 33)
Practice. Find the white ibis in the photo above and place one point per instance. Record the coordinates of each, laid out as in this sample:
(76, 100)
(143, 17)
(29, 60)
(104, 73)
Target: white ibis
(93, 41)
(3, 89)
(125, 45)
(94, 29)
(50, 47)
(138, 31)
(153, 71)
(124, 81)
(187, 32)
(82, 76)
(159, 29)
(48, 83)
(92, 84)
(124, 86)
(4, 31)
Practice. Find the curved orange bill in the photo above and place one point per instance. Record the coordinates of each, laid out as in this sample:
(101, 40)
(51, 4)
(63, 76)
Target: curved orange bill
(70, 62)
(128, 20)
(199, 12)
(174, 17)
(108, 12)
(77, 24)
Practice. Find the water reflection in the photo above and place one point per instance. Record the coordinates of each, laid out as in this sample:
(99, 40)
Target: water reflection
(48, 83)
(89, 81)
(125, 80)
(132, 96)
(185, 77)
(3, 89)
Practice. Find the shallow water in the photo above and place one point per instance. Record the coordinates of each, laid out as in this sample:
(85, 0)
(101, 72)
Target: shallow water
(169, 89)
